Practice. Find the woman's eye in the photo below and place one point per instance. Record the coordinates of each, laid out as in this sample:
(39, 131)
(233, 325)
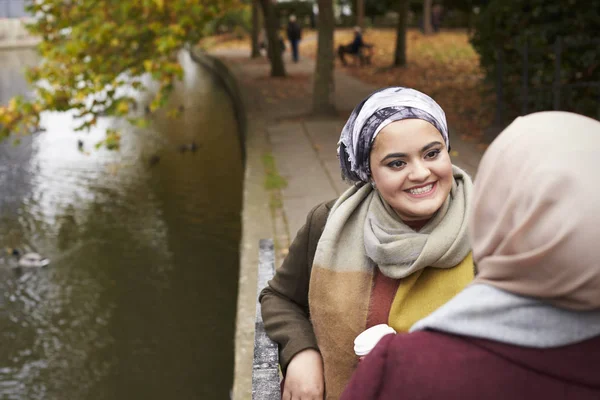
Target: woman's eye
(396, 164)
(432, 154)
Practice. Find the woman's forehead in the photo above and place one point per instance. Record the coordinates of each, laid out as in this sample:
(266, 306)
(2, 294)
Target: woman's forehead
(407, 136)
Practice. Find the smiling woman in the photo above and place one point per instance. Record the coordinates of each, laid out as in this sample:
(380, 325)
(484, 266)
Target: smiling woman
(391, 250)
(411, 169)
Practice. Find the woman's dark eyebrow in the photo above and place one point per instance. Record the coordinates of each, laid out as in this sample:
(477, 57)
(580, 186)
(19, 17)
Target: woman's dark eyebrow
(394, 155)
(430, 145)
(400, 155)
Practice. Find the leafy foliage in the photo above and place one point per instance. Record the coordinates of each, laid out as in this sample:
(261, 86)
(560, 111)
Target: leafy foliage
(95, 51)
(506, 25)
(301, 9)
(237, 20)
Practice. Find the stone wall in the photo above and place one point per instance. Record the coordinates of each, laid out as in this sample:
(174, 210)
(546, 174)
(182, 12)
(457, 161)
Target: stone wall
(14, 34)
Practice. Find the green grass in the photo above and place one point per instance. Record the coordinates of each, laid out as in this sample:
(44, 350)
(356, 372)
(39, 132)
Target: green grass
(273, 181)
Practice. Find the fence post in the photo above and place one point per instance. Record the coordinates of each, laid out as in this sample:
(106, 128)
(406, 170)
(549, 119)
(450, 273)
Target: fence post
(499, 88)
(556, 83)
(525, 86)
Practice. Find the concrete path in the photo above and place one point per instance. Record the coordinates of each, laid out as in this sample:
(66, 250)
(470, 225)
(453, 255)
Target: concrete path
(304, 149)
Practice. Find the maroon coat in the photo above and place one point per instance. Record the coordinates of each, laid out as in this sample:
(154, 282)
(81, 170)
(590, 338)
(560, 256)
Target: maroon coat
(430, 365)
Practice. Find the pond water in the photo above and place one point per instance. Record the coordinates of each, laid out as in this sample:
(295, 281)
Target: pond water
(139, 299)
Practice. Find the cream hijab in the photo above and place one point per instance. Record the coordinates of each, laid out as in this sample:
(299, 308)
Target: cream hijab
(535, 233)
(535, 224)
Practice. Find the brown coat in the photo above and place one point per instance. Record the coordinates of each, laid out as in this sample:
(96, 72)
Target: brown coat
(285, 299)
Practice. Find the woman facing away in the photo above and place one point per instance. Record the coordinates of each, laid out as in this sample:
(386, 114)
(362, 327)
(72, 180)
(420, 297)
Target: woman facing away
(392, 249)
(528, 327)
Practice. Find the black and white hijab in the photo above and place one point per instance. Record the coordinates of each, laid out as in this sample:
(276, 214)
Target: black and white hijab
(372, 115)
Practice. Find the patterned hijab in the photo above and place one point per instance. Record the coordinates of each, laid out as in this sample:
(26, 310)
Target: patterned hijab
(372, 115)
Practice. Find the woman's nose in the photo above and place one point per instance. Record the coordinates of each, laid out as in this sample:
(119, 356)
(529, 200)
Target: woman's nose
(419, 172)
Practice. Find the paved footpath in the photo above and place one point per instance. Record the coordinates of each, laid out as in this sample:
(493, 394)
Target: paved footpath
(304, 149)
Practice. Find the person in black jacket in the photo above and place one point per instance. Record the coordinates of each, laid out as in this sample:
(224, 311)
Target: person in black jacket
(355, 47)
(294, 34)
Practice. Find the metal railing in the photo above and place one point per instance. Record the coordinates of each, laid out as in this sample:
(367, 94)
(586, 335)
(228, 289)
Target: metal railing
(265, 368)
(560, 90)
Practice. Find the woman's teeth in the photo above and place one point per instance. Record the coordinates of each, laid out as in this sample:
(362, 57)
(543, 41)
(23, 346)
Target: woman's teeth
(421, 190)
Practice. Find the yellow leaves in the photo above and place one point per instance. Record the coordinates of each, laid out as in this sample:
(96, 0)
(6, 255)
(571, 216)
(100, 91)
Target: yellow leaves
(154, 104)
(139, 122)
(177, 29)
(173, 113)
(122, 108)
(13, 104)
(18, 117)
(148, 64)
(112, 140)
(88, 45)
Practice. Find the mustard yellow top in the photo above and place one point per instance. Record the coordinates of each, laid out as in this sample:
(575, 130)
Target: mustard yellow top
(424, 291)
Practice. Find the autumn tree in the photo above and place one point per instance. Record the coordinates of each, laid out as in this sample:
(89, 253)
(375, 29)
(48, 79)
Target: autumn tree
(360, 13)
(400, 52)
(427, 28)
(274, 49)
(255, 52)
(323, 90)
(94, 51)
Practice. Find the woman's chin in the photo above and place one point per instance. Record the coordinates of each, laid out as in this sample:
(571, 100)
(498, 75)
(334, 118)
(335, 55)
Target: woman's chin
(425, 211)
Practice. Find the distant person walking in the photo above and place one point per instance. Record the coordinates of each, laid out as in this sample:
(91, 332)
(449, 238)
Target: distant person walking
(437, 13)
(294, 34)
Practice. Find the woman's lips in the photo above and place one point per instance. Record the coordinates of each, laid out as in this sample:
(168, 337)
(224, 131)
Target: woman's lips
(422, 191)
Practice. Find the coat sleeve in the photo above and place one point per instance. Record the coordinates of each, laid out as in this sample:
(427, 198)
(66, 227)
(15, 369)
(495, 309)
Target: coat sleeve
(284, 302)
(368, 379)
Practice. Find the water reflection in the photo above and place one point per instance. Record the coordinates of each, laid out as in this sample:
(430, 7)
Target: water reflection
(139, 301)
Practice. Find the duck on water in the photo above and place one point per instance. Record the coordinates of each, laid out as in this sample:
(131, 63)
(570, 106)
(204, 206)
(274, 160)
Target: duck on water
(30, 260)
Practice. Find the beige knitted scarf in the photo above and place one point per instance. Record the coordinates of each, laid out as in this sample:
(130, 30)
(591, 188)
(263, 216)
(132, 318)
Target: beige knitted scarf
(362, 233)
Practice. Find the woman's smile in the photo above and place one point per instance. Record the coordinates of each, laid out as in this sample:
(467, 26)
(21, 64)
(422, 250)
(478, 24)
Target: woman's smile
(421, 191)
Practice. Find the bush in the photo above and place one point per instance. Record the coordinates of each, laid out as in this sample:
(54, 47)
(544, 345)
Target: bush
(237, 20)
(455, 19)
(301, 9)
(506, 25)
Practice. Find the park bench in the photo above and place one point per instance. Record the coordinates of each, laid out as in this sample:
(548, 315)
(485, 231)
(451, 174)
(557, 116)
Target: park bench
(265, 367)
(364, 55)
(361, 58)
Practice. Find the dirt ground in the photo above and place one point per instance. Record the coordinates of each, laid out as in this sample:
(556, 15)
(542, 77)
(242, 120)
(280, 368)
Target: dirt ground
(443, 65)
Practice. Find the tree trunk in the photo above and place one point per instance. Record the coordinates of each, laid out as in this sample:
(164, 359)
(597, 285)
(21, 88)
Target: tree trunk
(400, 54)
(360, 13)
(272, 29)
(255, 29)
(469, 17)
(427, 28)
(323, 89)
